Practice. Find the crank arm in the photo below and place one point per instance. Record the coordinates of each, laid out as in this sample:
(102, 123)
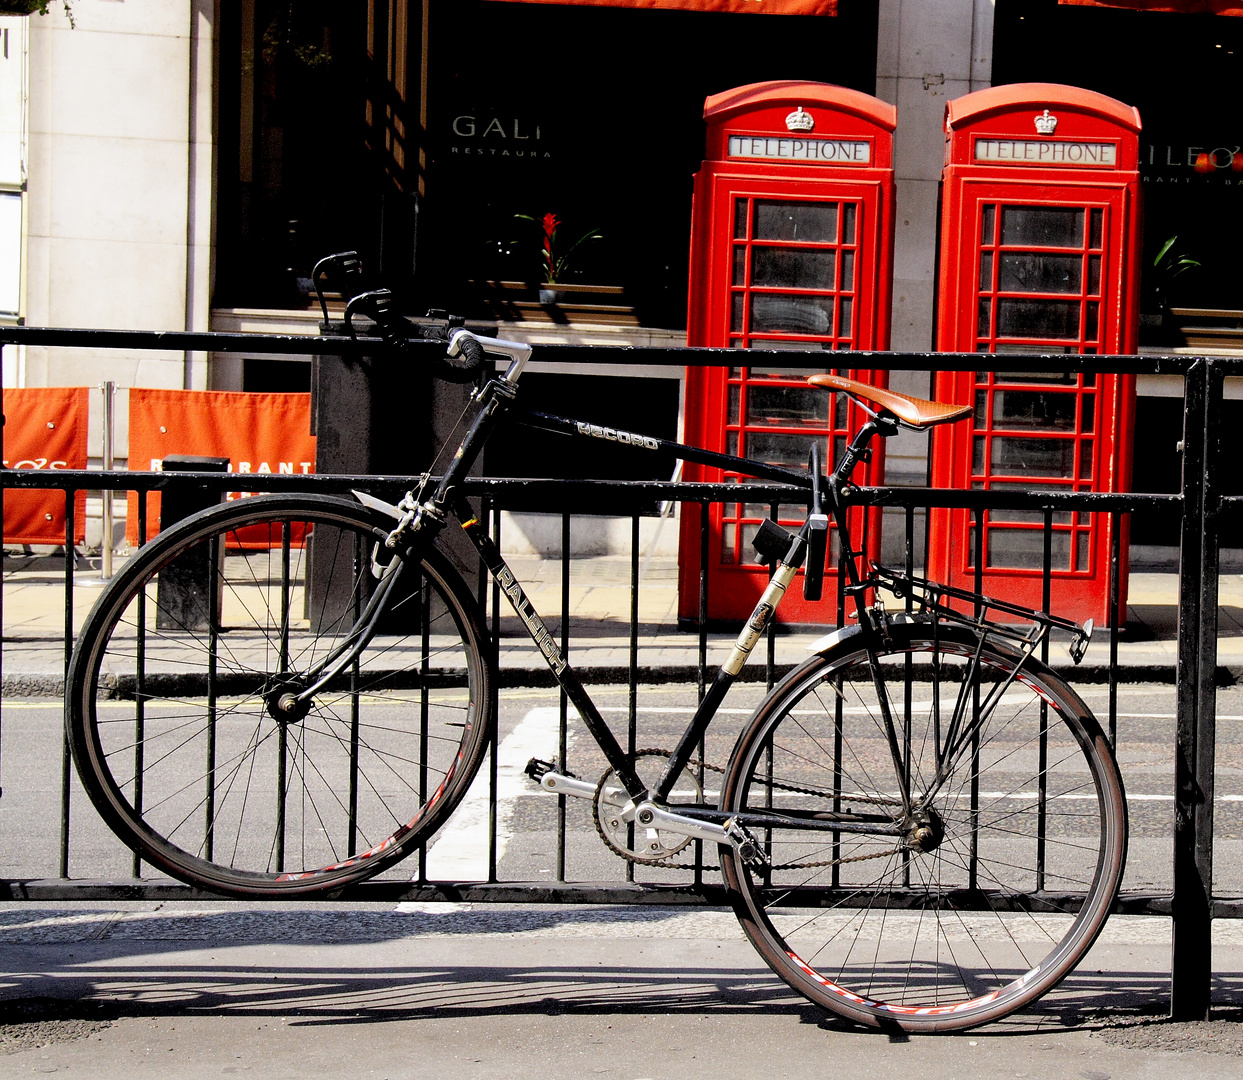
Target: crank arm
(646, 815)
(650, 816)
(567, 785)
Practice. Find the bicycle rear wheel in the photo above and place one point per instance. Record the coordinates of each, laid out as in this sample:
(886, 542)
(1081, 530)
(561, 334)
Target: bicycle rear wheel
(173, 692)
(1021, 855)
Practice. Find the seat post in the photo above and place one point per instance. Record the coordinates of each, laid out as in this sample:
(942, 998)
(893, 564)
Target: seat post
(857, 450)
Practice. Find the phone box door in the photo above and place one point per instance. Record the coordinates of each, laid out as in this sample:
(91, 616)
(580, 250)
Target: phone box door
(791, 250)
(1039, 252)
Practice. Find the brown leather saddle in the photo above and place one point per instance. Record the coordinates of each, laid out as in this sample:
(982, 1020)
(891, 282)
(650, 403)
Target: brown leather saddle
(914, 412)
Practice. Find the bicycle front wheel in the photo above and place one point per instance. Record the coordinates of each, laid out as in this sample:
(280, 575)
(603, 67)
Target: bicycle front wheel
(175, 716)
(979, 889)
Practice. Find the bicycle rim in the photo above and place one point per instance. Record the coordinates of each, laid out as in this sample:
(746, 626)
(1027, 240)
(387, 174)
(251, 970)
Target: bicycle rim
(1027, 834)
(174, 724)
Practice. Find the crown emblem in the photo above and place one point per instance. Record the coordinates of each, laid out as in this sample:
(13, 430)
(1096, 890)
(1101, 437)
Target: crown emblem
(800, 120)
(1046, 124)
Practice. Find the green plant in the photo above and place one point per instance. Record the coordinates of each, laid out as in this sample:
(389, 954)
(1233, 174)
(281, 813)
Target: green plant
(31, 7)
(293, 33)
(1169, 265)
(553, 261)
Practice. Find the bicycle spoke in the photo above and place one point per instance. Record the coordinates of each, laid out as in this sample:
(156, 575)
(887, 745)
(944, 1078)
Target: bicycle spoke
(946, 916)
(357, 753)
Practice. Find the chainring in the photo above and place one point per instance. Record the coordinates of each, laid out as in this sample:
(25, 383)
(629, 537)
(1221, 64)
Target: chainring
(649, 846)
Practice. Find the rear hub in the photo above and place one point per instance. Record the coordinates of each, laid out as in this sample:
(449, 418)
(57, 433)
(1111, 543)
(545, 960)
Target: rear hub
(924, 831)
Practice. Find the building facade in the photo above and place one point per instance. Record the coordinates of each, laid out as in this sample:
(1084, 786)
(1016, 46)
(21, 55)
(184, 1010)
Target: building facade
(181, 164)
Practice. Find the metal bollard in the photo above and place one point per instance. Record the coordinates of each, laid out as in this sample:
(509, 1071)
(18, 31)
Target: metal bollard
(184, 593)
(105, 538)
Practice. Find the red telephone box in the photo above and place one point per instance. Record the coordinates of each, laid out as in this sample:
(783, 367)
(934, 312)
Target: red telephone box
(1040, 242)
(791, 248)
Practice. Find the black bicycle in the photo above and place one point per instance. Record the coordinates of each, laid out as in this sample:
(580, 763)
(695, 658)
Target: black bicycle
(921, 825)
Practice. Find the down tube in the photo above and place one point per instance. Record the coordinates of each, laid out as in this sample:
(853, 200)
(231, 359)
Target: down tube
(547, 645)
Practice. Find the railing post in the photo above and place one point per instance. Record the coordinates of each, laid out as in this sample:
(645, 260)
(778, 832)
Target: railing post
(109, 389)
(1191, 966)
(1, 550)
(71, 507)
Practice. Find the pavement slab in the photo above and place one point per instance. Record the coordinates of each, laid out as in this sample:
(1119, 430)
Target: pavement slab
(448, 991)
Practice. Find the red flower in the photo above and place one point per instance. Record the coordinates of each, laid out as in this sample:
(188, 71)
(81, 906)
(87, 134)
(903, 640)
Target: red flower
(550, 223)
(554, 260)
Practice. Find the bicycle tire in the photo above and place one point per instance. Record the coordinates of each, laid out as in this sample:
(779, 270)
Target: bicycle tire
(171, 689)
(992, 916)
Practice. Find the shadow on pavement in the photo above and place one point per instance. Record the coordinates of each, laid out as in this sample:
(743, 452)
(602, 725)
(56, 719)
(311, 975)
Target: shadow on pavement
(163, 983)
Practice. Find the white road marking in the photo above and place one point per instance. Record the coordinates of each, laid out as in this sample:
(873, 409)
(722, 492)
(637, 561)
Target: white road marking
(460, 851)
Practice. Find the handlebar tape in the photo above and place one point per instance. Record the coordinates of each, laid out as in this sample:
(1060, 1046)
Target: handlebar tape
(397, 332)
(472, 357)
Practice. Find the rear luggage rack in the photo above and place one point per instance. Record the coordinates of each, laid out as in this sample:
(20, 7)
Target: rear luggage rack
(931, 596)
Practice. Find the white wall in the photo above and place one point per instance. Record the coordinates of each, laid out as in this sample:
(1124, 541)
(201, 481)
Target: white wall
(928, 51)
(119, 187)
(12, 175)
(12, 100)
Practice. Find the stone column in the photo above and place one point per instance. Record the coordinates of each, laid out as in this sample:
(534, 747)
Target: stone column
(927, 52)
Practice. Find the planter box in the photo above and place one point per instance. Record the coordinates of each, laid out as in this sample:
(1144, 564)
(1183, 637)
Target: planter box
(517, 301)
(1209, 329)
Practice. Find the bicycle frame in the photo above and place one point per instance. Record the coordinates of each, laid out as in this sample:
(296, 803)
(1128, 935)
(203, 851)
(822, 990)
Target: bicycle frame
(371, 731)
(419, 515)
(420, 518)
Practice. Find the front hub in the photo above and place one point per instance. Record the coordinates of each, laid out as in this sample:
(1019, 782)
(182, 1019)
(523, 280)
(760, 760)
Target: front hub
(283, 703)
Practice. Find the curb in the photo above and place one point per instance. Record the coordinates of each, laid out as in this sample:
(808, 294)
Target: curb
(17, 684)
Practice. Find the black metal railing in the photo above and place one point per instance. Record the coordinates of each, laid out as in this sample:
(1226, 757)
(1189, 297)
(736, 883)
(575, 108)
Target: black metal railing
(1186, 892)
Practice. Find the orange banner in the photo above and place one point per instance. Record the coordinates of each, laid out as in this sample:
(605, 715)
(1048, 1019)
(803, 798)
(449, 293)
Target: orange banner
(44, 428)
(1184, 7)
(258, 433)
(739, 7)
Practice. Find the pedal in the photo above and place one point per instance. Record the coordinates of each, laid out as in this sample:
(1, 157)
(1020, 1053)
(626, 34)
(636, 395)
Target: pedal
(749, 849)
(549, 779)
(537, 767)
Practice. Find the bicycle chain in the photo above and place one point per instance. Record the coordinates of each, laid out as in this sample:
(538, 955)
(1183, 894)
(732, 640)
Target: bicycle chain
(669, 864)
